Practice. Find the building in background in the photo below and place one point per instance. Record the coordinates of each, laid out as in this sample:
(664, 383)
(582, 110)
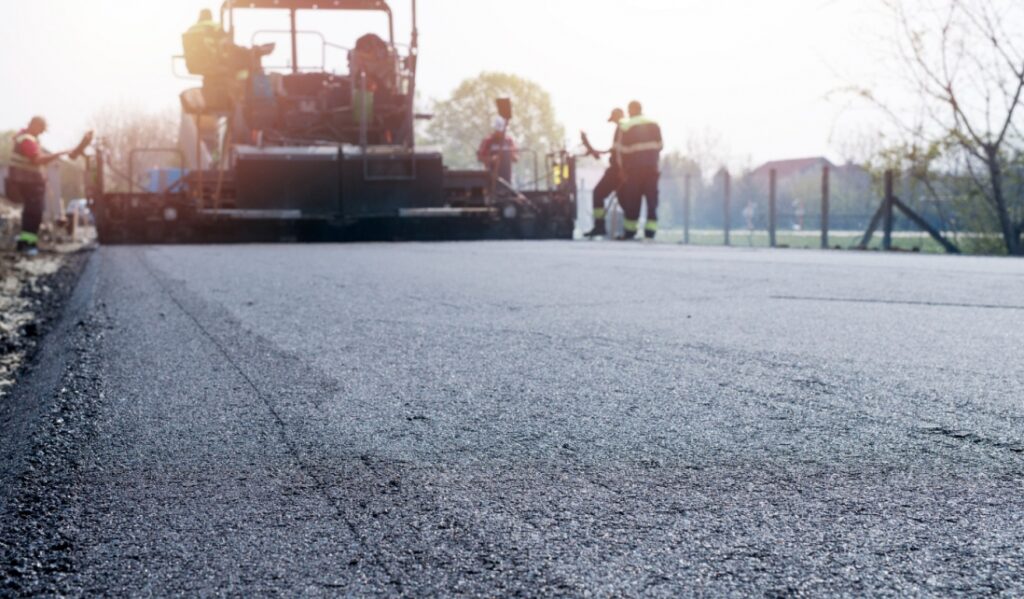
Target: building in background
(853, 198)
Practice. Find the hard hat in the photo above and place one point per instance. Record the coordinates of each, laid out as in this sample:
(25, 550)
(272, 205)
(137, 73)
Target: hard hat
(499, 124)
(617, 115)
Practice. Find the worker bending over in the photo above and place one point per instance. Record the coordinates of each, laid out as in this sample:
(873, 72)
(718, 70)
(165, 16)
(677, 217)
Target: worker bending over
(26, 183)
(640, 146)
(610, 181)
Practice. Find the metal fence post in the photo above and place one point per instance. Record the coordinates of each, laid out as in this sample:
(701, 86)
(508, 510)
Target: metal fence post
(825, 199)
(772, 208)
(726, 204)
(686, 208)
(887, 210)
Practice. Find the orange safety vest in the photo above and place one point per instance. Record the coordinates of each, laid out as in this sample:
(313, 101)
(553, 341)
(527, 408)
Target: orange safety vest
(21, 164)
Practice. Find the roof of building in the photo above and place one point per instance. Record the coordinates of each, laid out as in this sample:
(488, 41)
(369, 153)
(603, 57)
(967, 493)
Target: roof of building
(789, 168)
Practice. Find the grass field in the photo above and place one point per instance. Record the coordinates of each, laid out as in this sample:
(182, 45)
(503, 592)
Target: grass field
(905, 241)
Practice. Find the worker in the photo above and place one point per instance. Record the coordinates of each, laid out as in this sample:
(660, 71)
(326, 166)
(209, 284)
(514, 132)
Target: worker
(209, 50)
(209, 36)
(206, 25)
(610, 181)
(639, 155)
(498, 151)
(26, 183)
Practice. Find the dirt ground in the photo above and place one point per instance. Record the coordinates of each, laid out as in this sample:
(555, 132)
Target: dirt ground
(32, 291)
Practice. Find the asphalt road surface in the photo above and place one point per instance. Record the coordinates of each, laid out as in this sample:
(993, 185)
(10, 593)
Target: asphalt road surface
(536, 419)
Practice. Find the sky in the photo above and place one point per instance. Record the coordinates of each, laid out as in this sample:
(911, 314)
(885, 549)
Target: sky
(759, 76)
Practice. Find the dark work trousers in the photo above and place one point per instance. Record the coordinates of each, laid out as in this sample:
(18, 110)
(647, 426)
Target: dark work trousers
(501, 160)
(608, 185)
(31, 196)
(637, 188)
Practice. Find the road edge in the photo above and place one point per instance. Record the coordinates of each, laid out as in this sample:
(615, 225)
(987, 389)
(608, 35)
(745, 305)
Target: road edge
(51, 410)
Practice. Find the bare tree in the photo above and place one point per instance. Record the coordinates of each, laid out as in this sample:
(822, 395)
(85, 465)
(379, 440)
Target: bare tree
(967, 71)
(707, 149)
(122, 129)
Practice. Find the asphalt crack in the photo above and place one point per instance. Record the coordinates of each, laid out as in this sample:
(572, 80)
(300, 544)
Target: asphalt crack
(320, 484)
(851, 300)
(973, 439)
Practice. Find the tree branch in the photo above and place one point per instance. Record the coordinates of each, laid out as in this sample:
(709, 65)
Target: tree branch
(992, 33)
(1012, 110)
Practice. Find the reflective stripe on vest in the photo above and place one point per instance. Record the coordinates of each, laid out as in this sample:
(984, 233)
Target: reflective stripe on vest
(19, 160)
(29, 238)
(649, 146)
(628, 144)
(627, 124)
(204, 27)
(640, 144)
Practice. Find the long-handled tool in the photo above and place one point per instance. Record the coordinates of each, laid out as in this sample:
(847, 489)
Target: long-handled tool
(86, 141)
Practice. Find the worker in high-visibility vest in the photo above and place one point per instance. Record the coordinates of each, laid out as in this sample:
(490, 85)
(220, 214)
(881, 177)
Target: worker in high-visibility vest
(210, 51)
(640, 147)
(207, 26)
(26, 183)
(610, 181)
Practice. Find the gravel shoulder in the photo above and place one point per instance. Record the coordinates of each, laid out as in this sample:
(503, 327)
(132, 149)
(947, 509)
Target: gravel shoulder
(32, 294)
(42, 330)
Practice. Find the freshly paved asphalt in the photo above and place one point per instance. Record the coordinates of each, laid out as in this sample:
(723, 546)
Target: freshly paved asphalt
(541, 419)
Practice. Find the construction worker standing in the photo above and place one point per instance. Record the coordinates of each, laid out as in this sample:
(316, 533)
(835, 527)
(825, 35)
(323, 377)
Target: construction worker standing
(210, 51)
(640, 146)
(204, 43)
(610, 181)
(498, 151)
(26, 183)
(205, 25)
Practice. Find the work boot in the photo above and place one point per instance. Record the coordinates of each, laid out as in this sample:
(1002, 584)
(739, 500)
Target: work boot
(27, 249)
(650, 235)
(627, 236)
(597, 231)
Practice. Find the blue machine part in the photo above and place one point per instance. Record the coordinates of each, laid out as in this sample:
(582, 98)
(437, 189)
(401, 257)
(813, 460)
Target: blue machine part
(162, 178)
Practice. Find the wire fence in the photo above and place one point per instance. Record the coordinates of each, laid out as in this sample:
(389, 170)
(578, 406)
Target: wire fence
(771, 211)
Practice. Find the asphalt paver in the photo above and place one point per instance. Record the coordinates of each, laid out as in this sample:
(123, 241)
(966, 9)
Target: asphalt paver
(538, 419)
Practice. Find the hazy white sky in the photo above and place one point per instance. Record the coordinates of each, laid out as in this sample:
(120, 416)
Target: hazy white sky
(755, 72)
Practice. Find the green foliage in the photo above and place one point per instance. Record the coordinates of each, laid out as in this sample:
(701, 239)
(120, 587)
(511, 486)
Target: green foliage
(462, 121)
(938, 180)
(962, 141)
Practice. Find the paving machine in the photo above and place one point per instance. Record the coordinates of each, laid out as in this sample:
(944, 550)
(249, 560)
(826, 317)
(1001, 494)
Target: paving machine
(303, 152)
